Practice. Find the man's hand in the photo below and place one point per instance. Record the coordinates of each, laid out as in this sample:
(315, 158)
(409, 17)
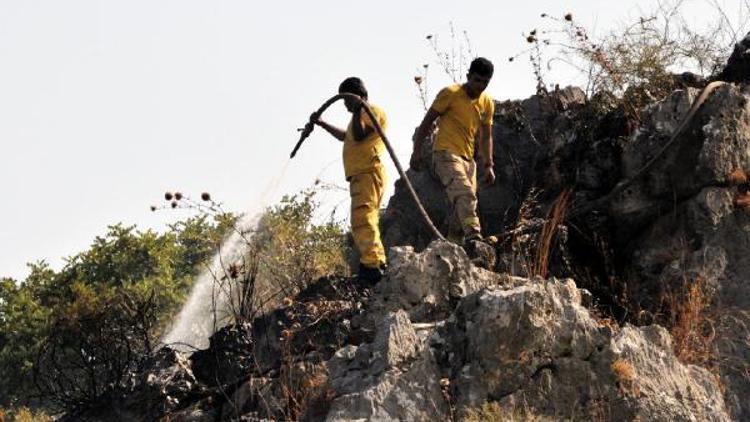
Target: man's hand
(489, 174)
(315, 118)
(416, 161)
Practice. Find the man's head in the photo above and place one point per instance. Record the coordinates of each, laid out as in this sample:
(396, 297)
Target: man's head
(353, 85)
(480, 73)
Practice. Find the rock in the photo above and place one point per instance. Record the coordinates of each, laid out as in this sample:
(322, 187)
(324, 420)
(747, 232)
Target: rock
(228, 358)
(165, 384)
(527, 132)
(679, 227)
(395, 343)
(394, 378)
(423, 284)
(536, 346)
(482, 254)
(738, 65)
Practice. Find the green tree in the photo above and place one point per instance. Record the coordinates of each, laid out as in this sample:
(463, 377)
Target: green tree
(100, 312)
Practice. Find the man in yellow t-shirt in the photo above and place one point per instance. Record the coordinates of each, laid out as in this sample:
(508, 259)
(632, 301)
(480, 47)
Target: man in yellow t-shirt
(364, 170)
(463, 111)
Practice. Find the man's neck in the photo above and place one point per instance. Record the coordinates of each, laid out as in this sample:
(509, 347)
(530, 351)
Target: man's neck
(468, 94)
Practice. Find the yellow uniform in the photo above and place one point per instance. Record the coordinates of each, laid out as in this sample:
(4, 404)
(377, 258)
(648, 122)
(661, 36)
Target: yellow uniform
(460, 118)
(366, 175)
(453, 152)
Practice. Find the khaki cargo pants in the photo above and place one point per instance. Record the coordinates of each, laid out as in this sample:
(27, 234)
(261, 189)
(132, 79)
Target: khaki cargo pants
(366, 191)
(459, 179)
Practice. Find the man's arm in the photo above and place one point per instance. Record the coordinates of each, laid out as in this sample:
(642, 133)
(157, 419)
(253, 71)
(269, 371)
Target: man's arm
(485, 152)
(424, 130)
(333, 130)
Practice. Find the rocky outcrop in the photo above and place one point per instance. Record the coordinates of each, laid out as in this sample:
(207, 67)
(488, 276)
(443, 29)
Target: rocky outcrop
(436, 339)
(536, 346)
(738, 66)
(527, 134)
(681, 228)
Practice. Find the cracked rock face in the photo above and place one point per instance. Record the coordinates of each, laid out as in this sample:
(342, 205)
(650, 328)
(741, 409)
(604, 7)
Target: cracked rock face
(535, 346)
(394, 378)
(426, 284)
(521, 343)
(682, 228)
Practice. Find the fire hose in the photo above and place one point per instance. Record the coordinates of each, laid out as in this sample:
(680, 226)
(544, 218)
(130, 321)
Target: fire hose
(310, 125)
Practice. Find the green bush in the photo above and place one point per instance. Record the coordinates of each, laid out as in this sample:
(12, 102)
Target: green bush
(288, 249)
(75, 332)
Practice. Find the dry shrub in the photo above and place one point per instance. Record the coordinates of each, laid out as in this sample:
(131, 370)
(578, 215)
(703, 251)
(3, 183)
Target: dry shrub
(305, 390)
(638, 62)
(25, 414)
(623, 370)
(522, 241)
(691, 324)
(625, 376)
(493, 412)
(737, 177)
(555, 217)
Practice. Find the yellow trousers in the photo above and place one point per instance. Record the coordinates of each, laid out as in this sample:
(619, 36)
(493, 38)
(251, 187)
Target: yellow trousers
(366, 192)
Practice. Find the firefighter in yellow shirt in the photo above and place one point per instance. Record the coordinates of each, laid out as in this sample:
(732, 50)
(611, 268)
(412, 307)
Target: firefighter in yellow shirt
(463, 111)
(366, 175)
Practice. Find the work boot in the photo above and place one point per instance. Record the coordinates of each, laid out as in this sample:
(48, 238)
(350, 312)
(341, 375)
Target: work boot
(480, 252)
(473, 237)
(370, 275)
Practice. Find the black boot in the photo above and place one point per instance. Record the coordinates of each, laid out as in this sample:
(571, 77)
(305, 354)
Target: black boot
(370, 275)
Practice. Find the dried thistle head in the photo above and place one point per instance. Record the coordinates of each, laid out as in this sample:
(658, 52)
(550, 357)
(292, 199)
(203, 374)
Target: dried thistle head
(177, 196)
(153, 207)
(234, 271)
(568, 17)
(205, 196)
(168, 196)
(418, 80)
(173, 204)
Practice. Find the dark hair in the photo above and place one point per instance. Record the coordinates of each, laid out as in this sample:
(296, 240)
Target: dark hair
(353, 85)
(482, 67)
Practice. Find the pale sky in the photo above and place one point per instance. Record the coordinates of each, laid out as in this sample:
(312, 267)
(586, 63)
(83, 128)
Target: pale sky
(105, 105)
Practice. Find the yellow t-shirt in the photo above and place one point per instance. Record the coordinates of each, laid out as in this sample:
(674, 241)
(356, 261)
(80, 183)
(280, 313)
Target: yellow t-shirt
(364, 156)
(460, 119)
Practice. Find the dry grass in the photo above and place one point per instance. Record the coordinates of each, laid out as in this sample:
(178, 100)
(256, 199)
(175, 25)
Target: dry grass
(23, 414)
(737, 177)
(625, 375)
(623, 370)
(555, 217)
(493, 412)
(305, 390)
(692, 324)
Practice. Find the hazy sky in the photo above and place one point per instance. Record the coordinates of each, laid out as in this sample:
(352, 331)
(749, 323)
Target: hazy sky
(105, 105)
